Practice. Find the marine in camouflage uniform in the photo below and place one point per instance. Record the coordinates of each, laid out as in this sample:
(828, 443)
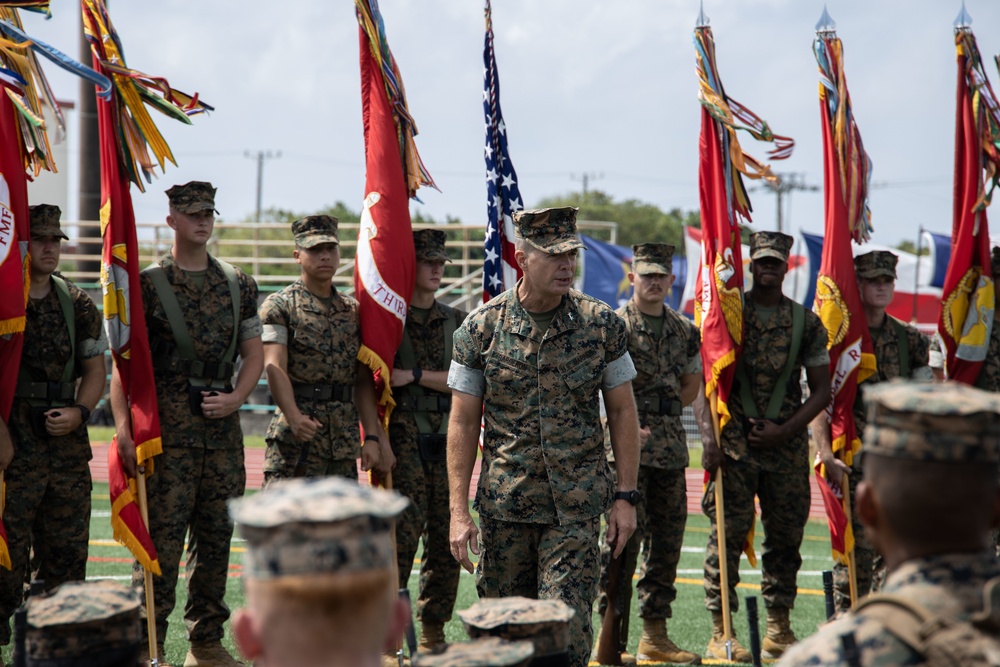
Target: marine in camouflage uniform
(767, 454)
(93, 623)
(900, 351)
(312, 335)
(919, 437)
(48, 485)
(544, 622)
(202, 465)
(418, 433)
(318, 573)
(535, 357)
(666, 350)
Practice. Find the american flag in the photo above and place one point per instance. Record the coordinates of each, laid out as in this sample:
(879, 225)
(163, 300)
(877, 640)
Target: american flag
(500, 271)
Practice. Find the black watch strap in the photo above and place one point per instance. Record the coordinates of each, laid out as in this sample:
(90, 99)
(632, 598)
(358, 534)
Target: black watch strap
(418, 373)
(84, 412)
(632, 497)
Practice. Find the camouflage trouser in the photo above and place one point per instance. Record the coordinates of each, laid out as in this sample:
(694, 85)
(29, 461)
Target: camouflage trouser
(868, 565)
(281, 457)
(49, 511)
(187, 495)
(661, 517)
(425, 483)
(784, 510)
(545, 562)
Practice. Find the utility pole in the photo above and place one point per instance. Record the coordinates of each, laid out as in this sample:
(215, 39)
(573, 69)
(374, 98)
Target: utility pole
(785, 185)
(584, 178)
(89, 194)
(260, 156)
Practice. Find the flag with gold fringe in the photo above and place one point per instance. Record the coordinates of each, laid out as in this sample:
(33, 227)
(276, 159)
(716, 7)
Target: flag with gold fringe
(385, 265)
(131, 149)
(24, 148)
(968, 293)
(847, 174)
(724, 203)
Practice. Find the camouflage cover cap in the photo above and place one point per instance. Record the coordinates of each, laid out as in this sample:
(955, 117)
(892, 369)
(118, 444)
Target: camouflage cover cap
(995, 260)
(192, 197)
(491, 652)
(876, 263)
(323, 525)
(650, 258)
(82, 618)
(313, 230)
(544, 622)
(552, 230)
(44, 219)
(429, 244)
(770, 244)
(946, 422)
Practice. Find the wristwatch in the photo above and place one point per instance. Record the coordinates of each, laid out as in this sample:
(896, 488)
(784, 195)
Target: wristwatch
(632, 497)
(84, 412)
(418, 373)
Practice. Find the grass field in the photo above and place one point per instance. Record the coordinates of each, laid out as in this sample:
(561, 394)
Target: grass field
(689, 628)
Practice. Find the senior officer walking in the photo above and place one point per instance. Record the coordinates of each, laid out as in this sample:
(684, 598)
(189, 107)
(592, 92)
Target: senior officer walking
(536, 357)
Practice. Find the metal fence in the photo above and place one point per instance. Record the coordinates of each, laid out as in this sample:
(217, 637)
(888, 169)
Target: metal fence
(264, 250)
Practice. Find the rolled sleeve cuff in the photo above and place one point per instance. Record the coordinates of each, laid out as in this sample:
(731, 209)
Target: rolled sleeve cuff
(275, 333)
(619, 371)
(466, 380)
(692, 366)
(93, 347)
(250, 328)
(818, 359)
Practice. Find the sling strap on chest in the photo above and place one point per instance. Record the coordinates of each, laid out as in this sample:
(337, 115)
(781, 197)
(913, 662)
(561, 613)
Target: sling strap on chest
(183, 359)
(418, 399)
(781, 386)
(903, 344)
(65, 389)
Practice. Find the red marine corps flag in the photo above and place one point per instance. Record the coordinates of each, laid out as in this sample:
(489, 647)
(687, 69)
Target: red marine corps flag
(385, 265)
(719, 293)
(846, 175)
(968, 294)
(127, 137)
(24, 147)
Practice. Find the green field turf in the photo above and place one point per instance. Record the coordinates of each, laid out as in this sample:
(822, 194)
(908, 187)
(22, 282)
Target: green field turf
(690, 626)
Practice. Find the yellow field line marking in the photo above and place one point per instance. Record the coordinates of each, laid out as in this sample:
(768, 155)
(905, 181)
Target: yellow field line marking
(811, 538)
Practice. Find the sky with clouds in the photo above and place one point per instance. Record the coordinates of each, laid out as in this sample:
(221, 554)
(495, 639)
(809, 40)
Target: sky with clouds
(606, 89)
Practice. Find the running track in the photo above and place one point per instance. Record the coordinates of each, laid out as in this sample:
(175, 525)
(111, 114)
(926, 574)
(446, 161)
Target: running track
(255, 460)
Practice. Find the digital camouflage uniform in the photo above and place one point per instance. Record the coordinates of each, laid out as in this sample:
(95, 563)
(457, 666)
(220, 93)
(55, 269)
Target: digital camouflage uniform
(778, 476)
(201, 466)
(661, 514)
(545, 480)
(544, 622)
(323, 344)
(423, 477)
(937, 425)
(95, 620)
(885, 341)
(48, 484)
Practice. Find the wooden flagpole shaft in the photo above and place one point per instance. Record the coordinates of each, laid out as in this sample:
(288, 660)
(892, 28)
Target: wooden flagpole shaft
(387, 484)
(852, 567)
(720, 531)
(148, 578)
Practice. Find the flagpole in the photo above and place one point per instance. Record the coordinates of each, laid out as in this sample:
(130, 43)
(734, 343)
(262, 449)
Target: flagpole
(148, 578)
(916, 274)
(852, 567)
(720, 532)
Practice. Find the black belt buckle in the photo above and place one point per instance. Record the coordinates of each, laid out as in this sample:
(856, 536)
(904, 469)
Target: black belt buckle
(433, 447)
